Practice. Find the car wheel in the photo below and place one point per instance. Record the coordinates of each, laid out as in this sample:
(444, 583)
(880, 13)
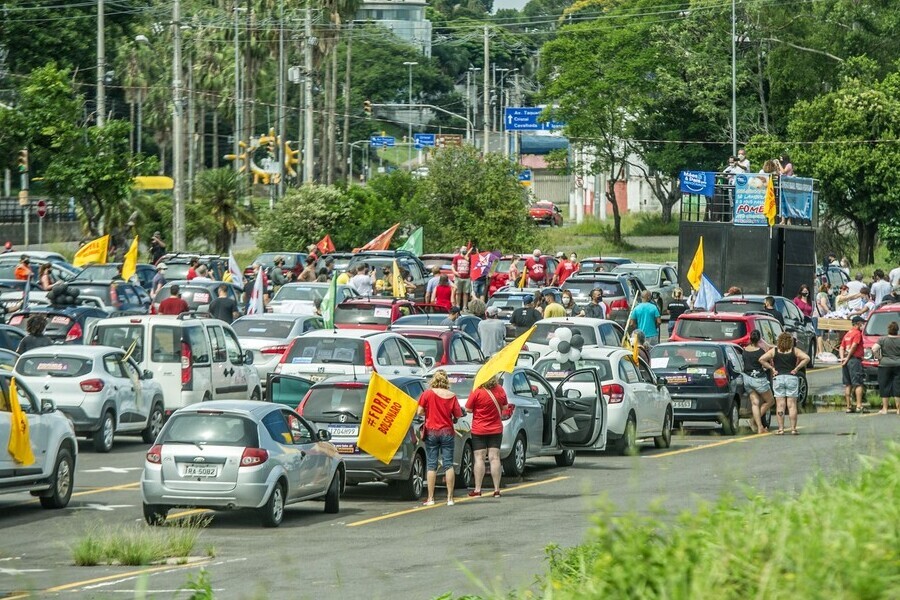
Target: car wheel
(60, 481)
(333, 497)
(627, 444)
(803, 391)
(414, 486)
(731, 422)
(664, 440)
(514, 464)
(467, 467)
(812, 354)
(155, 514)
(154, 423)
(272, 512)
(103, 437)
(255, 395)
(566, 459)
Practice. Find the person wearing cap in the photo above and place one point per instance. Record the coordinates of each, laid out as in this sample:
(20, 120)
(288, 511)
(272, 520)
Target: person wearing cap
(452, 316)
(552, 308)
(157, 248)
(536, 269)
(852, 374)
(460, 267)
(23, 270)
(525, 316)
(491, 332)
(174, 304)
(159, 280)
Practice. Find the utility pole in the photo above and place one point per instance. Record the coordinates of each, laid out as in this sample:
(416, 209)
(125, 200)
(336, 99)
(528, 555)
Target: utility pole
(192, 120)
(308, 97)
(280, 154)
(101, 64)
(487, 99)
(177, 133)
(409, 65)
(238, 104)
(517, 101)
(733, 80)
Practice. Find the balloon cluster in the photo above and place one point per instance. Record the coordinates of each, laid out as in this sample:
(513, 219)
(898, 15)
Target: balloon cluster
(566, 344)
(62, 295)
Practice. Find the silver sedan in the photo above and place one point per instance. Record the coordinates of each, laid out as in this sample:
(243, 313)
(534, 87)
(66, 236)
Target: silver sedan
(268, 336)
(233, 454)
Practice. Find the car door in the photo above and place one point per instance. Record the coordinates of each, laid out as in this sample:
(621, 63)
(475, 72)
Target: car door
(795, 322)
(317, 456)
(221, 367)
(38, 432)
(580, 411)
(473, 350)
(736, 364)
(388, 359)
(651, 408)
(122, 391)
(237, 371)
(290, 455)
(526, 407)
(142, 399)
(538, 422)
(458, 353)
(287, 390)
(410, 362)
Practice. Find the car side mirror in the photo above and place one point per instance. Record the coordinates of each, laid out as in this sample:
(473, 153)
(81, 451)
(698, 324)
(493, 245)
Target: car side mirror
(661, 381)
(147, 374)
(248, 357)
(428, 361)
(324, 435)
(47, 406)
(572, 394)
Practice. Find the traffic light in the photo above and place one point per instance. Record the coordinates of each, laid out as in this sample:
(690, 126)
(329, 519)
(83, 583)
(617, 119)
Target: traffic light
(291, 158)
(22, 160)
(367, 108)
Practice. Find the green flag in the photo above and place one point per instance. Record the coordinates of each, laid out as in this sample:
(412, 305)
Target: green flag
(414, 242)
(328, 302)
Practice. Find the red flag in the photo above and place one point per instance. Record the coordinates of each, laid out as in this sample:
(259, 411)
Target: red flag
(325, 245)
(481, 263)
(381, 241)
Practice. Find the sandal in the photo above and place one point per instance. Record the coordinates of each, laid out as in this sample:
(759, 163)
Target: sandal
(779, 432)
(850, 410)
(794, 432)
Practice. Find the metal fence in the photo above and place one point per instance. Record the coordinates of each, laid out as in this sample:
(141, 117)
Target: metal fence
(57, 212)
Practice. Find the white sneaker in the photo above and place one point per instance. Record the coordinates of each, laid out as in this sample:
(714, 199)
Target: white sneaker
(428, 503)
(450, 502)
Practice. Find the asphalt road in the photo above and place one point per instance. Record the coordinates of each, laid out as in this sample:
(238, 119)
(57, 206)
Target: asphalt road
(381, 547)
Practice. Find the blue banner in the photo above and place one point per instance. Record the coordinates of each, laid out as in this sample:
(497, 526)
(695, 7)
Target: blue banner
(702, 183)
(749, 200)
(796, 198)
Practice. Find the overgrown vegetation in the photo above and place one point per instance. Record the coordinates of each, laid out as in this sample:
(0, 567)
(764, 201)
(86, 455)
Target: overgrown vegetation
(137, 545)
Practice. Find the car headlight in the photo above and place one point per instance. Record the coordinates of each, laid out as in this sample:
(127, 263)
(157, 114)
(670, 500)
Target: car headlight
(867, 354)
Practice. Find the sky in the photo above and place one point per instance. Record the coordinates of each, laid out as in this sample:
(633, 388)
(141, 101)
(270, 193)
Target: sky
(517, 4)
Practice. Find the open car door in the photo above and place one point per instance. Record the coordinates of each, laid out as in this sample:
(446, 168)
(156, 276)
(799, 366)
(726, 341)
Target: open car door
(581, 411)
(287, 390)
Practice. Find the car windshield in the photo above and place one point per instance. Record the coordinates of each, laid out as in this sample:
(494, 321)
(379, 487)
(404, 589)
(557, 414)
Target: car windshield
(544, 331)
(428, 347)
(600, 266)
(582, 287)
(739, 306)
(647, 276)
(684, 356)
(553, 370)
(702, 329)
(55, 366)
(362, 314)
(210, 428)
(262, 328)
(194, 295)
(99, 291)
(122, 336)
(98, 273)
(503, 301)
(878, 322)
(339, 403)
(267, 259)
(304, 291)
(306, 350)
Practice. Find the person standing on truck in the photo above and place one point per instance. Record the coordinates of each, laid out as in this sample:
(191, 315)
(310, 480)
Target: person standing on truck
(460, 267)
(174, 304)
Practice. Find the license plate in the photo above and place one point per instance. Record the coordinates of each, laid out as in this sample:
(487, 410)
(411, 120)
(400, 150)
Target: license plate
(683, 404)
(200, 471)
(315, 377)
(339, 431)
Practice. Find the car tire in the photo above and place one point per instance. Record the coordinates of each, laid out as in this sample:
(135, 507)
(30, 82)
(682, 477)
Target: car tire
(664, 440)
(731, 422)
(627, 444)
(255, 396)
(514, 464)
(812, 354)
(60, 481)
(103, 437)
(333, 496)
(154, 422)
(566, 459)
(155, 515)
(272, 512)
(803, 392)
(466, 474)
(414, 486)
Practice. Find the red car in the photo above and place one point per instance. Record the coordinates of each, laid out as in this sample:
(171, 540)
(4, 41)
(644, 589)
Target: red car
(442, 261)
(378, 313)
(445, 346)
(725, 327)
(546, 213)
(875, 329)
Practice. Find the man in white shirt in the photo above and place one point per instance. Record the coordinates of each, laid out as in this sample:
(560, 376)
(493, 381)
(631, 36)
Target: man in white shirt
(881, 287)
(894, 276)
(202, 274)
(742, 160)
(857, 284)
(362, 282)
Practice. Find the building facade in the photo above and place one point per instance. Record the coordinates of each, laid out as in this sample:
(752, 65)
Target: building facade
(405, 18)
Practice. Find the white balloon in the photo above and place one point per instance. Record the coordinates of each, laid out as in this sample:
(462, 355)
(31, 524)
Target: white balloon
(554, 343)
(564, 334)
(563, 357)
(574, 354)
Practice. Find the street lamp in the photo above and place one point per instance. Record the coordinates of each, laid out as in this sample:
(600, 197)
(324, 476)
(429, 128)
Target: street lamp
(471, 107)
(410, 65)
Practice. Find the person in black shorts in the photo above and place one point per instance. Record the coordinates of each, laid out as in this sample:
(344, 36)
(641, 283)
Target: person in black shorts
(851, 354)
(486, 405)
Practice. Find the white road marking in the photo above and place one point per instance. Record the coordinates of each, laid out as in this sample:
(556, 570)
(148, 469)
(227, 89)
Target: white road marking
(20, 571)
(117, 470)
(102, 507)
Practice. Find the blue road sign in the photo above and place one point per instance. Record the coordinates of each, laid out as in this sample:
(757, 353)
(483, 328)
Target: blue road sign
(525, 118)
(382, 141)
(424, 139)
(525, 177)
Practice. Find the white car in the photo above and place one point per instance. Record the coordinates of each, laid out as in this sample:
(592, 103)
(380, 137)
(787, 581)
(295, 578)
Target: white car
(268, 336)
(300, 298)
(325, 353)
(596, 332)
(639, 403)
(100, 389)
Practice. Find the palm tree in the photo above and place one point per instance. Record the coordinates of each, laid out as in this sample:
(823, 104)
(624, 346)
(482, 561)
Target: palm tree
(217, 191)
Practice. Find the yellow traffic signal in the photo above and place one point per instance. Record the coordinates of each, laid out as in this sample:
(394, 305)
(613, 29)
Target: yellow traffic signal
(367, 108)
(291, 158)
(22, 160)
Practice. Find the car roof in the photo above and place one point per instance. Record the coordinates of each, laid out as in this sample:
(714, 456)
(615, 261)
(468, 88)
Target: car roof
(364, 378)
(576, 320)
(375, 300)
(69, 310)
(88, 351)
(139, 319)
(277, 317)
(462, 369)
(696, 343)
(726, 316)
(434, 332)
(619, 259)
(748, 298)
(248, 407)
(893, 307)
(601, 276)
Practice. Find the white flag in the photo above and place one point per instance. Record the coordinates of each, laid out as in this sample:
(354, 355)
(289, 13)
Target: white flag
(256, 306)
(236, 276)
(708, 295)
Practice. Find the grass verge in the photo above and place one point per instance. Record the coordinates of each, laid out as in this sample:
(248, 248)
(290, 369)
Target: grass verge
(834, 539)
(871, 399)
(137, 545)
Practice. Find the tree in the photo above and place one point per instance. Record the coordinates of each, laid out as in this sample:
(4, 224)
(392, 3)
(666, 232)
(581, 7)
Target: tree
(304, 216)
(217, 193)
(154, 213)
(469, 197)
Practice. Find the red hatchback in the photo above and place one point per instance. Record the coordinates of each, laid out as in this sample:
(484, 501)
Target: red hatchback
(875, 329)
(445, 346)
(725, 327)
(378, 312)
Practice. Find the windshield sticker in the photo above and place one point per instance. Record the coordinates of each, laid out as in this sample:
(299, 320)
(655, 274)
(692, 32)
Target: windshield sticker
(382, 312)
(201, 297)
(560, 374)
(659, 363)
(706, 354)
(309, 352)
(257, 330)
(677, 379)
(60, 320)
(301, 360)
(697, 371)
(52, 366)
(458, 378)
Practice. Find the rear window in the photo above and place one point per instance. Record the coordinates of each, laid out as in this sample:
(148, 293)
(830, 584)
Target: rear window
(176, 271)
(710, 330)
(122, 336)
(301, 292)
(583, 288)
(602, 266)
(878, 322)
(362, 314)
(257, 328)
(215, 429)
(507, 302)
(165, 344)
(99, 291)
(98, 272)
(682, 357)
(647, 276)
(306, 350)
(738, 306)
(55, 366)
(58, 325)
(544, 331)
(338, 403)
(196, 296)
(461, 384)
(428, 347)
(268, 259)
(553, 370)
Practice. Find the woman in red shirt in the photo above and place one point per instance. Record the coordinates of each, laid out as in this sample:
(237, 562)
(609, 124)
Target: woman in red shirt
(441, 409)
(443, 292)
(486, 405)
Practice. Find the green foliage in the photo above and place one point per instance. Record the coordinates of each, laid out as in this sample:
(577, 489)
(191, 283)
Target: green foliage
(200, 586)
(649, 224)
(137, 545)
(155, 214)
(467, 197)
(304, 216)
(217, 192)
(385, 200)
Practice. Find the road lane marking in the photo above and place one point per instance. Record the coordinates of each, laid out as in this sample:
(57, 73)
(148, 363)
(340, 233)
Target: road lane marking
(148, 570)
(409, 511)
(188, 513)
(112, 488)
(116, 470)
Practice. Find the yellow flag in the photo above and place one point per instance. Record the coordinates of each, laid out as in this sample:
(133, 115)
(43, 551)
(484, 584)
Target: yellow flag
(504, 361)
(522, 277)
(94, 251)
(19, 441)
(397, 284)
(770, 208)
(386, 418)
(129, 266)
(695, 272)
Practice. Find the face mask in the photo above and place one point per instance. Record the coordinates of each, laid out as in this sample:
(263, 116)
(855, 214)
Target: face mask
(566, 300)
(572, 258)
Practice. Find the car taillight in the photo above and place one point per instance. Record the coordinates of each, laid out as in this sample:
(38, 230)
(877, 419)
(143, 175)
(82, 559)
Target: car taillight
(274, 349)
(302, 404)
(508, 411)
(253, 457)
(154, 454)
(620, 304)
(75, 333)
(720, 377)
(367, 353)
(92, 385)
(187, 371)
(287, 351)
(614, 393)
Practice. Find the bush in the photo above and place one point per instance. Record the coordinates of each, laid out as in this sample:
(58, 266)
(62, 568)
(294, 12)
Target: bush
(304, 216)
(647, 224)
(137, 545)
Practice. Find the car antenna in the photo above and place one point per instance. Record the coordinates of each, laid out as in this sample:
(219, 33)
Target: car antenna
(353, 366)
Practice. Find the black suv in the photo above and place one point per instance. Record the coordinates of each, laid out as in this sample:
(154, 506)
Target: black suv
(795, 322)
(379, 259)
(619, 292)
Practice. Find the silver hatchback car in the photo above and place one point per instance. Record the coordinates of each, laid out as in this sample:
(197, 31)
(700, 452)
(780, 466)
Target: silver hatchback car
(232, 454)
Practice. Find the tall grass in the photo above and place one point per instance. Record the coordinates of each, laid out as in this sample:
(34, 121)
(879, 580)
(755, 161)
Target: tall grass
(137, 545)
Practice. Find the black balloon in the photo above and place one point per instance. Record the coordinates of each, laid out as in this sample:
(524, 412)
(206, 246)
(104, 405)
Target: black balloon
(577, 341)
(564, 347)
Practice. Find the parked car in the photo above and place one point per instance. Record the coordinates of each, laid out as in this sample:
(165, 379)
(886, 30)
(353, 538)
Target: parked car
(116, 298)
(109, 271)
(378, 313)
(339, 261)
(795, 322)
(100, 388)
(11, 302)
(65, 324)
(194, 359)
(198, 295)
(59, 271)
(8, 359)
(875, 329)
(54, 257)
(601, 264)
(10, 337)
(301, 298)
(619, 292)
(443, 346)
(441, 261)
(507, 299)
(596, 332)
(544, 212)
(468, 324)
(499, 275)
(268, 336)
(705, 380)
(178, 264)
(293, 262)
(407, 261)
(238, 454)
(52, 475)
(541, 419)
(659, 279)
